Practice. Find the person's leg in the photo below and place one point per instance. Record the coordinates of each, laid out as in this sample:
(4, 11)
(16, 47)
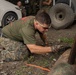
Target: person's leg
(46, 8)
(13, 50)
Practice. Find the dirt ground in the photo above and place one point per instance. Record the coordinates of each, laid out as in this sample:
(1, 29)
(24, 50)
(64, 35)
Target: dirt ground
(63, 37)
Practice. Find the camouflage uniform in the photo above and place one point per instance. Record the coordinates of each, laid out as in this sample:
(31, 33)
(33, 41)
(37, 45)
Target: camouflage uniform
(12, 50)
(47, 7)
(23, 11)
(19, 30)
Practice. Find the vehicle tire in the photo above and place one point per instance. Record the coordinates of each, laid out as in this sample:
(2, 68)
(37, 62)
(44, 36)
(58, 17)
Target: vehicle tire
(8, 17)
(61, 15)
(66, 2)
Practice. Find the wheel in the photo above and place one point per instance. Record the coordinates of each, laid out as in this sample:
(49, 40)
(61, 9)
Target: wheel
(8, 17)
(61, 15)
(66, 2)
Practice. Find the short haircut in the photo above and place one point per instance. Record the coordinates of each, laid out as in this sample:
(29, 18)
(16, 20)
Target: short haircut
(43, 17)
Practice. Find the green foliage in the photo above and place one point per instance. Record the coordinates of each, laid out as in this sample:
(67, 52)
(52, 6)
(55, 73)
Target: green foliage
(31, 59)
(18, 72)
(67, 40)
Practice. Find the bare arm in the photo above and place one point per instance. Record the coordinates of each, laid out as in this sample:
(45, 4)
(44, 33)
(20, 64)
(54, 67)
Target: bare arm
(47, 2)
(38, 49)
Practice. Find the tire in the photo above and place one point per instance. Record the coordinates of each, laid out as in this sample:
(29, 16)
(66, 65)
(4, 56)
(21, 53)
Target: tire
(8, 17)
(66, 2)
(61, 16)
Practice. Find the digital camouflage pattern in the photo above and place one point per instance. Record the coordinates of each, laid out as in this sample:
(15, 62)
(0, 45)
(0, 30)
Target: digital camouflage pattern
(11, 50)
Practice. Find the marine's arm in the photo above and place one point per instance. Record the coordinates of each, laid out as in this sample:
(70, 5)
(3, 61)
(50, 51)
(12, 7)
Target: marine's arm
(38, 49)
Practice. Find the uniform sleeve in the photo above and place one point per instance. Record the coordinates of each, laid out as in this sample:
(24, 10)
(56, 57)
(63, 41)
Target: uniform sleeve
(28, 36)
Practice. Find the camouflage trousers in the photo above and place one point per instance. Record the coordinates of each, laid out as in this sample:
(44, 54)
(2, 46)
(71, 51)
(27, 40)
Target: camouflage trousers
(46, 8)
(11, 50)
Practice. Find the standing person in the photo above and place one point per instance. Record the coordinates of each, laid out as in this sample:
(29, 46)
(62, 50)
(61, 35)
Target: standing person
(21, 35)
(46, 5)
(47, 2)
(19, 3)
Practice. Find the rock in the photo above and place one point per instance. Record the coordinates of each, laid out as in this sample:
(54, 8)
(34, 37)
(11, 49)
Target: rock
(62, 69)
